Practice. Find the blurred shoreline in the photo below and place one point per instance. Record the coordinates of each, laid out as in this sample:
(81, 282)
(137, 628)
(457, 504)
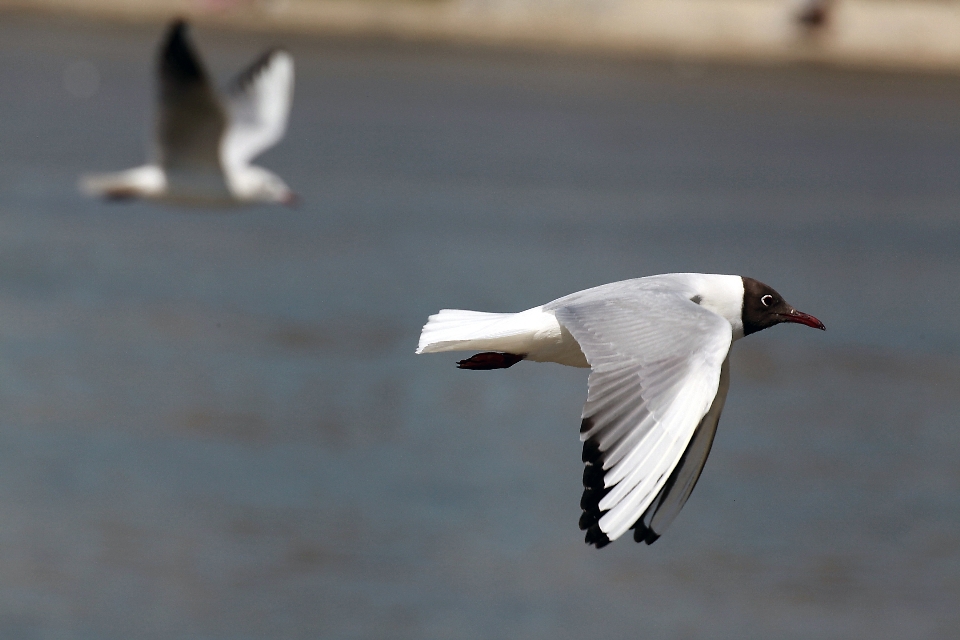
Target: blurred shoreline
(882, 34)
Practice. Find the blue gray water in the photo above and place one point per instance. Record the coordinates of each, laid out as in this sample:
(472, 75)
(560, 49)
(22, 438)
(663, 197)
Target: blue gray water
(213, 426)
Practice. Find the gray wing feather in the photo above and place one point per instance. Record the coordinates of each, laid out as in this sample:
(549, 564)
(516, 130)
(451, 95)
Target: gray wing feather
(665, 508)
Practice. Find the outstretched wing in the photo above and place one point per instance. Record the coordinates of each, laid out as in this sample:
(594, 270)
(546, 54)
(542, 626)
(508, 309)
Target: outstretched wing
(190, 121)
(656, 359)
(258, 102)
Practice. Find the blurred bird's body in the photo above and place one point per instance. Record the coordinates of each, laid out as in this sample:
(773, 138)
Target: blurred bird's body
(205, 142)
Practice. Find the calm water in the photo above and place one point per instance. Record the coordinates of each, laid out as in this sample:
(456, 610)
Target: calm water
(213, 426)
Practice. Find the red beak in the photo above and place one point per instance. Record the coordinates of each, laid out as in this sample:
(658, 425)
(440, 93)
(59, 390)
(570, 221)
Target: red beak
(292, 200)
(802, 318)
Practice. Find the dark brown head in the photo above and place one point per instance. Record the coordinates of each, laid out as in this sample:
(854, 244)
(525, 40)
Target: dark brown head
(763, 307)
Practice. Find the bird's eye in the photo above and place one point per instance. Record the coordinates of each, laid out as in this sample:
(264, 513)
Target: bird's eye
(766, 300)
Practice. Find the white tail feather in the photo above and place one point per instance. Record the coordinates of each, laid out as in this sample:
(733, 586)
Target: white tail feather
(145, 181)
(461, 330)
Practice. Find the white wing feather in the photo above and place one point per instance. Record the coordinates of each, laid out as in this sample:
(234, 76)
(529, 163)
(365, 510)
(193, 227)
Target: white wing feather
(258, 104)
(656, 358)
(661, 513)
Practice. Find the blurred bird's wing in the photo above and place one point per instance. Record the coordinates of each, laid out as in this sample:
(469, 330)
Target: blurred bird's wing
(190, 120)
(258, 102)
(656, 359)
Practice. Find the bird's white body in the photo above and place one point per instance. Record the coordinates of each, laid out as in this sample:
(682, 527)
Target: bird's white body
(538, 334)
(150, 182)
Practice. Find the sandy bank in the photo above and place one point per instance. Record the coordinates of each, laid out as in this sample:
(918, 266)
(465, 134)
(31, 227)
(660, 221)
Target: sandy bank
(919, 34)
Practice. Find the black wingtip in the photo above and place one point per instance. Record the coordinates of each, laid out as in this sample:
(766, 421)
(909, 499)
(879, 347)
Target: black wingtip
(591, 452)
(592, 476)
(593, 493)
(643, 533)
(596, 537)
(176, 32)
(590, 500)
(177, 59)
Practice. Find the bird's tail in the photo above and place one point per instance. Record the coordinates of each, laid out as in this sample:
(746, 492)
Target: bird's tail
(147, 180)
(460, 330)
(98, 185)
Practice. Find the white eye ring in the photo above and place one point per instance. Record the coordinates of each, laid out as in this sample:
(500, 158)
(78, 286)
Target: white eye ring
(766, 300)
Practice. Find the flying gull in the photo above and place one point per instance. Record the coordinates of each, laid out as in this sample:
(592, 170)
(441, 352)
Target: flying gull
(658, 348)
(204, 141)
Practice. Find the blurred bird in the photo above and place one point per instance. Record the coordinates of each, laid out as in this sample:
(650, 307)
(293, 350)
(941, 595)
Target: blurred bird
(812, 15)
(204, 142)
(659, 352)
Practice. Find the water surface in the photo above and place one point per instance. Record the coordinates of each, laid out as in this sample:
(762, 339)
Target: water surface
(213, 426)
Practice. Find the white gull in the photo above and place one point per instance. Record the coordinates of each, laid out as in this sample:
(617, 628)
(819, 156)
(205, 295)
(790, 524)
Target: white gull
(204, 141)
(659, 351)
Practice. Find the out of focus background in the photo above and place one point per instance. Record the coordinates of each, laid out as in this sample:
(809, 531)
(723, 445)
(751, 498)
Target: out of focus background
(212, 423)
